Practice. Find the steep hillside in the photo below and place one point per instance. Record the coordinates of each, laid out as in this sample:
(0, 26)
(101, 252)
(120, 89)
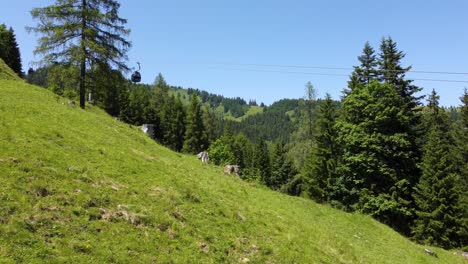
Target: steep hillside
(80, 186)
(7, 73)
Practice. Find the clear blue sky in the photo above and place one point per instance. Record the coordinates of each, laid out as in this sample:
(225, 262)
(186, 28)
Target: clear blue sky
(188, 42)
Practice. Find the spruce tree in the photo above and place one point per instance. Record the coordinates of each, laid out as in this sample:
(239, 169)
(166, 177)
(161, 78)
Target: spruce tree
(377, 157)
(82, 32)
(9, 50)
(209, 121)
(262, 161)
(195, 136)
(462, 141)
(391, 71)
(282, 170)
(168, 121)
(320, 170)
(440, 215)
(125, 113)
(179, 124)
(243, 150)
(172, 123)
(367, 69)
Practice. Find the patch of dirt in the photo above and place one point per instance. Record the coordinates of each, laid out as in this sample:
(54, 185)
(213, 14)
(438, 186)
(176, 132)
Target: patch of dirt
(120, 214)
(204, 247)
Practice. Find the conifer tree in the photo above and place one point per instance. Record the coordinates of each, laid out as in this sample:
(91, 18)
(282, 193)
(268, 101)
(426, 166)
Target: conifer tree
(391, 71)
(159, 97)
(125, 113)
(310, 99)
(282, 170)
(209, 121)
(168, 123)
(105, 86)
(195, 136)
(262, 160)
(367, 70)
(9, 50)
(172, 123)
(321, 166)
(243, 150)
(377, 157)
(161, 82)
(302, 138)
(82, 32)
(179, 124)
(438, 194)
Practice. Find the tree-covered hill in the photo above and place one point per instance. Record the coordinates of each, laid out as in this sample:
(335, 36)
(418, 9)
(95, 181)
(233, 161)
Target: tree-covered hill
(78, 186)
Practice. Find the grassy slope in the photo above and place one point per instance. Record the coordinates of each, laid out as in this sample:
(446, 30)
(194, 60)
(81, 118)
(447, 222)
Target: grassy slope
(253, 110)
(6, 73)
(60, 165)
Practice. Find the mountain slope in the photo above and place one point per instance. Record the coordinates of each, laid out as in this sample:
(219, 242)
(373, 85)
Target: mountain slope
(79, 186)
(6, 73)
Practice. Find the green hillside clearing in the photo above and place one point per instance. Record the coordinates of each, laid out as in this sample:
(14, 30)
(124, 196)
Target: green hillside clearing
(253, 110)
(79, 186)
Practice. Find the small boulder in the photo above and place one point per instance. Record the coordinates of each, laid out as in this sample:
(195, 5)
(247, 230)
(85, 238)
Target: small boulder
(430, 252)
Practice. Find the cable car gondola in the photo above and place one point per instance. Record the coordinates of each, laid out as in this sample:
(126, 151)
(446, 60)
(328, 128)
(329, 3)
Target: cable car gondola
(136, 76)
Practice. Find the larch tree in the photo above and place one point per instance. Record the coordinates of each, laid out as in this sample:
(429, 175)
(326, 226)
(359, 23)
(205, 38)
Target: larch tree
(83, 33)
(301, 142)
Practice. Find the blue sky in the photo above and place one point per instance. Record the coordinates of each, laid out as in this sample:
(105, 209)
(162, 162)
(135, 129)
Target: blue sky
(198, 43)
